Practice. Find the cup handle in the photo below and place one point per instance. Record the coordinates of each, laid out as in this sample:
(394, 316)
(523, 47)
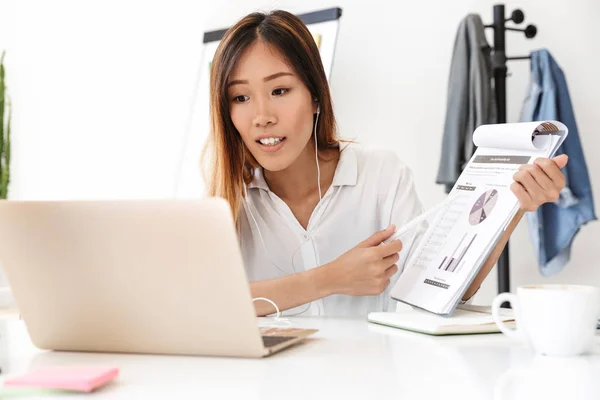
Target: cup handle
(496, 303)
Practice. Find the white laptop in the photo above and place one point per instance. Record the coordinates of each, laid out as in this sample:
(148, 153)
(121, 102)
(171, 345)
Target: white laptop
(133, 276)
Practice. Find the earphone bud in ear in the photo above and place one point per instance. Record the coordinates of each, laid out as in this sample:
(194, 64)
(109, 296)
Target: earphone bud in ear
(318, 109)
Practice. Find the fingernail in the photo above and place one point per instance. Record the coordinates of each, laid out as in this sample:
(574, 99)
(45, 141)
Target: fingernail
(392, 227)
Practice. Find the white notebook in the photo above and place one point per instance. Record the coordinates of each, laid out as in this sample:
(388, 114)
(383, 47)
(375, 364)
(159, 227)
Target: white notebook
(467, 319)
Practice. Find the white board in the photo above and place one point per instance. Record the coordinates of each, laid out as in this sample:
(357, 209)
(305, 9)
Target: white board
(322, 24)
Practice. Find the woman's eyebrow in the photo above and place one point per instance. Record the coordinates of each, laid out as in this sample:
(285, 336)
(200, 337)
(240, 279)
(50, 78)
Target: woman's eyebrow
(265, 79)
(277, 75)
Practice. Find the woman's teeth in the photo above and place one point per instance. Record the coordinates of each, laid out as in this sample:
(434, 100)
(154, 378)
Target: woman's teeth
(270, 141)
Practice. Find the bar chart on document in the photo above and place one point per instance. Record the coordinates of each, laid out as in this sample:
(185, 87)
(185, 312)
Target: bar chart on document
(442, 227)
(450, 262)
(483, 207)
(456, 229)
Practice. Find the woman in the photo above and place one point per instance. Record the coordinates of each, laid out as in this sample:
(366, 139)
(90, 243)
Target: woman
(313, 211)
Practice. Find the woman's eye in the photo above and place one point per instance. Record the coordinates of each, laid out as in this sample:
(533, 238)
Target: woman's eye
(240, 99)
(279, 92)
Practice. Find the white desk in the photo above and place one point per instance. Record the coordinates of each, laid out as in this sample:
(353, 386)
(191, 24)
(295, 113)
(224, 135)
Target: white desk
(347, 359)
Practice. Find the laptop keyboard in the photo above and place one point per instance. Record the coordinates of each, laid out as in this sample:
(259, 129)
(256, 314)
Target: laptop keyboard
(270, 341)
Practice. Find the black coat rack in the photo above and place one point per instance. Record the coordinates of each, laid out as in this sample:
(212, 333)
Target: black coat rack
(499, 60)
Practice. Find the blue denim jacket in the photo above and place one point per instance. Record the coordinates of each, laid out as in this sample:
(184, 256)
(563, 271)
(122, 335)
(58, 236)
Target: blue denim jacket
(554, 225)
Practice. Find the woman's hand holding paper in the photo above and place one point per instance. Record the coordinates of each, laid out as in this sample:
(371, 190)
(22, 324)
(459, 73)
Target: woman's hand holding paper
(540, 182)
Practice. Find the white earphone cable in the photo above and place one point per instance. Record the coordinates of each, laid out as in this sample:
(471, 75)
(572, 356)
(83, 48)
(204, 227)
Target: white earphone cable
(279, 322)
(317, 156)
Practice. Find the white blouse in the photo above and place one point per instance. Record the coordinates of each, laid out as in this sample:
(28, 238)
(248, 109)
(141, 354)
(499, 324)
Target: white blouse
(372, 188)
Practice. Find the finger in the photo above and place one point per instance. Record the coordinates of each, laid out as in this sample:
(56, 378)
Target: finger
(390, 248)
(561, 161)
(540, 176)
(391, 271)
(552, 169)
(551, 189)
(388, 261)
(525, 201)
(536, 192)
(378, 237)
(385, 285)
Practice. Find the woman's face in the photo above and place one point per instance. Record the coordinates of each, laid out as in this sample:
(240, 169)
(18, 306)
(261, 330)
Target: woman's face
(270, 107)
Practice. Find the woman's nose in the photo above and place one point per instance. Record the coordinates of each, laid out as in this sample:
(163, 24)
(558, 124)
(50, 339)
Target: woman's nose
(264, 114)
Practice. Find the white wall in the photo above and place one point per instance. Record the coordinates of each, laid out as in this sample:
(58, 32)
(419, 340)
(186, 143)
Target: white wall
(102, 90)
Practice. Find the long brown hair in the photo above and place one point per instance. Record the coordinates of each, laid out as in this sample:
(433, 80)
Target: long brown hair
(224, 152)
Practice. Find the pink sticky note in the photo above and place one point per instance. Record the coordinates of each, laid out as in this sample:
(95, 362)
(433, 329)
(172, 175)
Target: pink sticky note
(84, 379)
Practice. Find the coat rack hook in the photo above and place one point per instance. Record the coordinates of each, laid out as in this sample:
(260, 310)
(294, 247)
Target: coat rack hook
(517, 16)
(530, 31)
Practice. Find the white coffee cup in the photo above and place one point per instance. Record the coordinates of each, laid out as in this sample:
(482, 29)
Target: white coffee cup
(556, 320)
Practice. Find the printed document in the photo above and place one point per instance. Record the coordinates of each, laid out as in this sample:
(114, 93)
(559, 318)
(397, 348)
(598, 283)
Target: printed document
(462, 233)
